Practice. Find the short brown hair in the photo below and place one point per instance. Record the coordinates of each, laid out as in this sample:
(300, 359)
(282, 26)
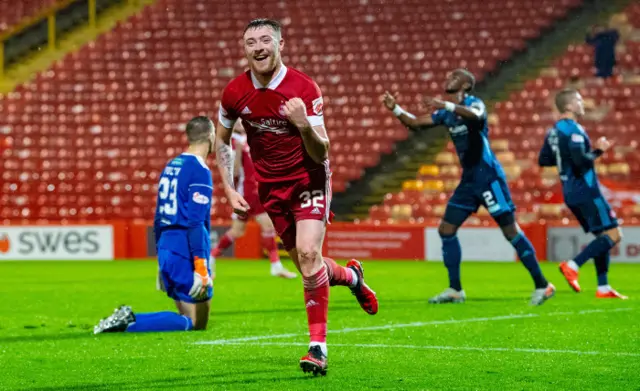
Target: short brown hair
(563, 98)
(262, 22)
(199, 129)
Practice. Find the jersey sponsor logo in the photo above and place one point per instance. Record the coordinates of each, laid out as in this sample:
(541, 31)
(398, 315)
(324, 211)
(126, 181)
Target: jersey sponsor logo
(200, 198)
(246, 111)
(277, 126)
(458, 130)
(318, 105)
(577, 138)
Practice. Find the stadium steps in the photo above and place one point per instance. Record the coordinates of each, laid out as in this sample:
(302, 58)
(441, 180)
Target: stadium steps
(41, 60)
(421, 147)
(553, 45)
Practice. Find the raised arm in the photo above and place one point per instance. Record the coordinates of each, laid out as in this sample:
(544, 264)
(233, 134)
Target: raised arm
(409, 120)
(306, 113)
(475, 112)
(579, 154)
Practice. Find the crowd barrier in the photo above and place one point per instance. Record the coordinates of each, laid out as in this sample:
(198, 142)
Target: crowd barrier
(123, 240)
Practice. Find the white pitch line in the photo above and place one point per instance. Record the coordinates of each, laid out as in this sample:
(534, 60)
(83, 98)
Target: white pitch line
(466, 348)
(405, 325)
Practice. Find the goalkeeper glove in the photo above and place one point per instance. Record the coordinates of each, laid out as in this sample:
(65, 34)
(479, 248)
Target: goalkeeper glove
(201, 279)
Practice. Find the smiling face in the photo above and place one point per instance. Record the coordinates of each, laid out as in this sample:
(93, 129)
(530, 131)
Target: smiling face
(262, 46)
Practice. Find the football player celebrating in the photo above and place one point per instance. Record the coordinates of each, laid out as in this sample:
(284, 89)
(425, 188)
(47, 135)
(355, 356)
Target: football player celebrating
(567, 146)
(483, 182)
(281, 110)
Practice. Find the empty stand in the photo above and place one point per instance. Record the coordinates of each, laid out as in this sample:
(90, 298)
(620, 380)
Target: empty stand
(86, 139)
(518, 127)
(13, 12)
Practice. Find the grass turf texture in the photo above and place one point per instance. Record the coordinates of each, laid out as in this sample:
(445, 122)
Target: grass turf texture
(494, 341)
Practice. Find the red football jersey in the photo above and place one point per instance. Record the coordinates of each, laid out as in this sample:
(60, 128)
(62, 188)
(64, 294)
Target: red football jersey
(246, 180)
(277, 149)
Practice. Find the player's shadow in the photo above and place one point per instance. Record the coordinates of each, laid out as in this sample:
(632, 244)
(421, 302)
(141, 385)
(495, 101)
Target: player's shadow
(201, 381)
(45, 337)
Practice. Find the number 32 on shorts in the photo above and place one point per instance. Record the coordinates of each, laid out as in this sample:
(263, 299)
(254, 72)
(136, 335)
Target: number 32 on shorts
(314, 198)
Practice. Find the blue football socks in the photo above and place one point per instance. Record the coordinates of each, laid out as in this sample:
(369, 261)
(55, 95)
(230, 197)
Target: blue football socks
(602, 268)
(160, 321)
(527, 255)
(600, 245)
(452, 256)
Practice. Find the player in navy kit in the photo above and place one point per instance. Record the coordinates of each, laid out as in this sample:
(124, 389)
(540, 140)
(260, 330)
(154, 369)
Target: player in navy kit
(567, 146)
(181, 226)
(483, 182)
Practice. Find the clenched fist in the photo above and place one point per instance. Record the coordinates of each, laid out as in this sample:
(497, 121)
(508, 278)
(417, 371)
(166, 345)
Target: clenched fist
(603, 144)
(296, 112)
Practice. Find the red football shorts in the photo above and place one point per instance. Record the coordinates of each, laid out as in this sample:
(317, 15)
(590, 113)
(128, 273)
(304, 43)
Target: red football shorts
(255, 207)
(291, 201)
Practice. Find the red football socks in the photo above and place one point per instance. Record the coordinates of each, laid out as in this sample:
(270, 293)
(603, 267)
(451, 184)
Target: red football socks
(269, 244)
(338, 275)
(316, 298)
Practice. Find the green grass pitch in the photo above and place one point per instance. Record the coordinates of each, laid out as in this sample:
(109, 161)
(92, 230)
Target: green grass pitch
(494, 341)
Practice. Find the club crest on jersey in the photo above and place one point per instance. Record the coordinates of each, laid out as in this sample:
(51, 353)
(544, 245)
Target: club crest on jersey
(318, 105)
(200, 198)
(281, 110)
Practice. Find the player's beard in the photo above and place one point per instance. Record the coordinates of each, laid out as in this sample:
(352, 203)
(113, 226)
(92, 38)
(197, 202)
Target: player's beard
(267, 70)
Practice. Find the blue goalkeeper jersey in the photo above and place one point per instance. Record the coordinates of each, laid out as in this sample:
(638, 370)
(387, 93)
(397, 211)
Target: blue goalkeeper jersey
(471, 140)
(567, 146)
(183, 213)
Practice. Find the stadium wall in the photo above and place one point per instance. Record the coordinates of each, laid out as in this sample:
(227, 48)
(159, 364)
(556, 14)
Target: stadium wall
(122, 240)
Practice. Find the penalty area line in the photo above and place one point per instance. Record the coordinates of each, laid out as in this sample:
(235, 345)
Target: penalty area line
(464, 348)
(406, 325)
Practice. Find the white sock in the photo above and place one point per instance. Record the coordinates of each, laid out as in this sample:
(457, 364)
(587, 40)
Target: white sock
(573, 265)
(354, 278)
(604, 288)
(323, 346)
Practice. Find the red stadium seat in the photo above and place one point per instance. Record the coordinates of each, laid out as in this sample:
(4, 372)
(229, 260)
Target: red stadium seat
(525, 117)
(110, 115)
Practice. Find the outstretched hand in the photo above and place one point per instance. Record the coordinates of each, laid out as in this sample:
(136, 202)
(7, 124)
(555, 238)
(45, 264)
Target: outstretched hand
(389, 100)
